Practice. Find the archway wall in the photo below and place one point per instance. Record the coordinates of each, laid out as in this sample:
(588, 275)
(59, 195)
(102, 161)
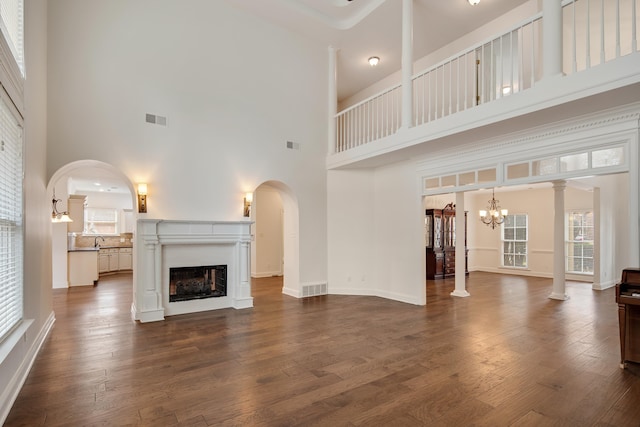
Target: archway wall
(58, 185)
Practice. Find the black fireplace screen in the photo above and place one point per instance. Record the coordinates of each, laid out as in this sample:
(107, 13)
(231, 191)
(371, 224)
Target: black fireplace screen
(189, 283)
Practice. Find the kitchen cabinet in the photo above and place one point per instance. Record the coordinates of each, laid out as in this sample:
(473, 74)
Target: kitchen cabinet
(115, 259)
(76, 204)
(82, 267)
(125, 259)
(109, 260)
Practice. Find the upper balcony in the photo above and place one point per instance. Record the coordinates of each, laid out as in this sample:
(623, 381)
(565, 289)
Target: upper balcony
(567, 60)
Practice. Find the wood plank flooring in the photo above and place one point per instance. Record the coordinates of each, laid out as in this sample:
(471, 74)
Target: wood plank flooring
(506, 356)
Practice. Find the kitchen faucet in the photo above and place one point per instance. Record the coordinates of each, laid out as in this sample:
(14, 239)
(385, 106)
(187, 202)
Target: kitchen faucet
(95, 241)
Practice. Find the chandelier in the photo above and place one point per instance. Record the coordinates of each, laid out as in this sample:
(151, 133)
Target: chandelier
(493, 215)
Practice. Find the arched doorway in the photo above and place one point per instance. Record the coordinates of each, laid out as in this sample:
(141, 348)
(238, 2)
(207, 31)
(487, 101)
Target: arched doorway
(98, 188)
(275, 249)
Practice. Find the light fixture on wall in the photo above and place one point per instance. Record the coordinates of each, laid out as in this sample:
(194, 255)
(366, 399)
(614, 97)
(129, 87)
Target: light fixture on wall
(493, 215)
(473, 2)
(373, 61)
(248, 199)
(55, 215)
(142, 197)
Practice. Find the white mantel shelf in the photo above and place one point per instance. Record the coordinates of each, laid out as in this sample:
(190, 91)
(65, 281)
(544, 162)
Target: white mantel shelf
(163, 244)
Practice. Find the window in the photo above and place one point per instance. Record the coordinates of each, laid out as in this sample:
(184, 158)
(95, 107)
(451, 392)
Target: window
(11, 254)
(100, 221)
(12, 25)
(579, 243)
(514, 241)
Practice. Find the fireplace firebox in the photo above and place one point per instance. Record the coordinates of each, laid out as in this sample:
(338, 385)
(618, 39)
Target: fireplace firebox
(190, 283)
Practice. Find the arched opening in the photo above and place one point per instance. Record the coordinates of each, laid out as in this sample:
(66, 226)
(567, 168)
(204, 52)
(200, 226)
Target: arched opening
(101, 201)
(275, 248)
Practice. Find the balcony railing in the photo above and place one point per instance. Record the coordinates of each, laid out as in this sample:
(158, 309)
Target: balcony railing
(505, 64)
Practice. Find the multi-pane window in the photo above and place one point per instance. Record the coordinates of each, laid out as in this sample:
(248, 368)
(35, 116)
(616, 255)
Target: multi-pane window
(100, 221)
(579, 243)
(11, 170)
(11, 254)
(514, 241)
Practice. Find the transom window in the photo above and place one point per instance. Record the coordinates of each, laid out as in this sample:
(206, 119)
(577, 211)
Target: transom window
(579, 242)
(514, 241)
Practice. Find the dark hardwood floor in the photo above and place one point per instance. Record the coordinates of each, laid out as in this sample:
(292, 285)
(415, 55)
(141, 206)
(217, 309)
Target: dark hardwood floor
(505, 356)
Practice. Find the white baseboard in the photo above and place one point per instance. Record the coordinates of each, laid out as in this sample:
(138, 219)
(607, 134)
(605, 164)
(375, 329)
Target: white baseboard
(265, 274)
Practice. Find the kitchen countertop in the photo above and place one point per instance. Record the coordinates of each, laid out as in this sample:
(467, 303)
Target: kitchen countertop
(91, 248)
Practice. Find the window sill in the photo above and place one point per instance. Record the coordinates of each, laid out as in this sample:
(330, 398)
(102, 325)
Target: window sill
(10, 342)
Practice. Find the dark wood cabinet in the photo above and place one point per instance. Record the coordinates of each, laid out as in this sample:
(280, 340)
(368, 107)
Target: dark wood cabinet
(628, 299)
(440, 241)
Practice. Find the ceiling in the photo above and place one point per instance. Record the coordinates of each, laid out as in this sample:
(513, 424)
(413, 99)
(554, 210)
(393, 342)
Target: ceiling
(360, 29)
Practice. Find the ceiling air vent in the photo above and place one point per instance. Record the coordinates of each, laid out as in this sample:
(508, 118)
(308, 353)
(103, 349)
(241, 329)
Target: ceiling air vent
(293, 145)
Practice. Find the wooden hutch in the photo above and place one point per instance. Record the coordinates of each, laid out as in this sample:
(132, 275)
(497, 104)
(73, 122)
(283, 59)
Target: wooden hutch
(440, 240)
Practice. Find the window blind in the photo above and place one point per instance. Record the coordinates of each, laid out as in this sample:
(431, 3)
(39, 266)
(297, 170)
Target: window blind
(11, 223)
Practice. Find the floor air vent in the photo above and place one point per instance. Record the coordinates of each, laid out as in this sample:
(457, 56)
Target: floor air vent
(313, 290)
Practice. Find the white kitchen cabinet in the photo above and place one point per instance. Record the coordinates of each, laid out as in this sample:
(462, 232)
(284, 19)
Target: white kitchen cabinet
(103, 261)
(125, 259)
(76, 204)
(108, 261)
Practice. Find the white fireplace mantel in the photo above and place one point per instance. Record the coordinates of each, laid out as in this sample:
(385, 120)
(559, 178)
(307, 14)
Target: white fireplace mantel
(162, 244)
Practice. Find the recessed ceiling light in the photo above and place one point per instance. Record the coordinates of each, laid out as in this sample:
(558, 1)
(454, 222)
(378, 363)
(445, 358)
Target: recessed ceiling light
(97, 184)
(473, 2)
(373, 61)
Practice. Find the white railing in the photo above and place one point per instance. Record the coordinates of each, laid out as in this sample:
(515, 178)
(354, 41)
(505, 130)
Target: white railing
(369, 120)
(506, 64)
(485, 72)
(612, 32)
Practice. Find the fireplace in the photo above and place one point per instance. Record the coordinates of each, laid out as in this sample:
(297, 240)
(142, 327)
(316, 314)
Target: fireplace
(213, 261)
(192, 283)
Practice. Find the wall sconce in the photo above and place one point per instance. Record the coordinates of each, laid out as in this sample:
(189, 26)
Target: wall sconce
(142, 198)
(55, 215)
(248, 199)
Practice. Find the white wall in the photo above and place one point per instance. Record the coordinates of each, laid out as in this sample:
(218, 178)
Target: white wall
(399, 233)
(37, 203)
(234, 89)
(376, 246)
(351, 228)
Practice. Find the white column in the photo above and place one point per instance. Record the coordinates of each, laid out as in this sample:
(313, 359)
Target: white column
(558, 291)
(243, 298)
(333, 100)
(634, 201)
(407, 63)
(460, 290)
(551, 38)
(597, 242)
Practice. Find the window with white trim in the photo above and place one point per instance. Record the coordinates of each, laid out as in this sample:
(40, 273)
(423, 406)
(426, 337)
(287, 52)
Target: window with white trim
(514, 241)
(100, 221)
(579, 242)
(11, 226)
